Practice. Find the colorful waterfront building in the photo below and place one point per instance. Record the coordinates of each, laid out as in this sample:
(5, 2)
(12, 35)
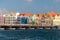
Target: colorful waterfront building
(10, 18)
(1, 19)
(46, 20)
(56, 21)
(22, 19)
(32, 19)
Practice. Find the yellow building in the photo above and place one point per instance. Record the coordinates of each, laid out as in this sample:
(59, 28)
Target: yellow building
(56, 21)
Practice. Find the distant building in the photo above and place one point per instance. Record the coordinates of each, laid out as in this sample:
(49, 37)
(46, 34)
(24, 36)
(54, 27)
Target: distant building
(32, 19)
(10, 18)
(46, 20)
(1, 19)
(38, 22)
(56, 21)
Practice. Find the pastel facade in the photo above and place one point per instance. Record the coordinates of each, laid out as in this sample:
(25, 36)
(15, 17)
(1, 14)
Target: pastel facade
(49, 19)
(1, 19)
(10, 18)
(32, 19)
(46, 21)
(56, 21)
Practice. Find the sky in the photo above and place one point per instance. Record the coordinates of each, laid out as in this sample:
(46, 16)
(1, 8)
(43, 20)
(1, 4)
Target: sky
(30, 6)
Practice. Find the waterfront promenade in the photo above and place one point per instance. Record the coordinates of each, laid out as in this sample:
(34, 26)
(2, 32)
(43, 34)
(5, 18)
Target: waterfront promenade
(24, 26)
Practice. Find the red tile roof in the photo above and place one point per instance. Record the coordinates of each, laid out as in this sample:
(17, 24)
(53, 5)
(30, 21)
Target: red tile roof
(52, 14)
(27, 14)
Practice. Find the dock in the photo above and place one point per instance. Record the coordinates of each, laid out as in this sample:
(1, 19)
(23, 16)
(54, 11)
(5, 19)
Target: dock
(23, 27)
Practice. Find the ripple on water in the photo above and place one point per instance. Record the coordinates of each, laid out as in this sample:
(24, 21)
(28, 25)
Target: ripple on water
(30, 35)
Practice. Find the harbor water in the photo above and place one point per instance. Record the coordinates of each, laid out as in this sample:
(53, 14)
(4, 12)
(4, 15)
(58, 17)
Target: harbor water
(41, 34)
